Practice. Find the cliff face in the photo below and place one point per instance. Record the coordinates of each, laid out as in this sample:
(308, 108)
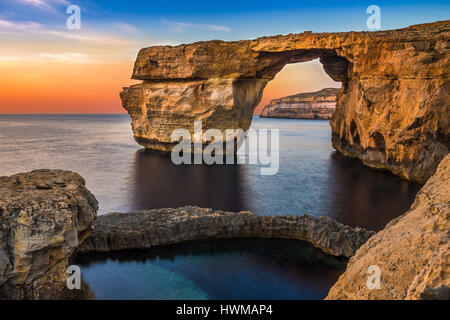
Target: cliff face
(310, 105)
(392, 110)
(158, 108)
(412, 252)
(44, 216)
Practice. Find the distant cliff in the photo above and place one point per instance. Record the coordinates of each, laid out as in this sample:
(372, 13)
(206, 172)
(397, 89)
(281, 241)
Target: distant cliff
(309, 105)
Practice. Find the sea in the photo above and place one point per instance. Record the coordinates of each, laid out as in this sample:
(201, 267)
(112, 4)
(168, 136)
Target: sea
(312, 179)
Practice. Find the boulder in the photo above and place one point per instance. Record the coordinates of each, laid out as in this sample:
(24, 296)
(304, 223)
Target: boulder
(44, 216)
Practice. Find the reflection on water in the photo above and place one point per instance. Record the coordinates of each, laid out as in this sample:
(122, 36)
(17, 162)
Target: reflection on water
(219, 269)
(312, 179)
(124, 177)
(158, 183)
(360, 196)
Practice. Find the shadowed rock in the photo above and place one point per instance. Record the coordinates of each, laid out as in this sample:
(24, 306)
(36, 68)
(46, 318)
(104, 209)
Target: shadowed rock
(144, 229)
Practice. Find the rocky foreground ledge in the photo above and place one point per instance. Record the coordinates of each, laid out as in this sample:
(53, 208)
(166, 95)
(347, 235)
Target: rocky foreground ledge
(44, 216)
(145, 229)
(412, 252)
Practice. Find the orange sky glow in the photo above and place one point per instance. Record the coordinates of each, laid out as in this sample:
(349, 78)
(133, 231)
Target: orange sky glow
(48, 67)
(68, 87)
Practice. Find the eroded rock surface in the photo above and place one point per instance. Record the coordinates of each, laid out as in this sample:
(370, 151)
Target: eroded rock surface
(44, 216)
(392, 110)
(412, 252)
(309, 105)
(144, 229)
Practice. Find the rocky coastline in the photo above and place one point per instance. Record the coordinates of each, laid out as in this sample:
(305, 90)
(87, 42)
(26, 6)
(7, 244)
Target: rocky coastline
(159, 227)
(48, 216)
(318, 105)
(412, 252)
(392, 113)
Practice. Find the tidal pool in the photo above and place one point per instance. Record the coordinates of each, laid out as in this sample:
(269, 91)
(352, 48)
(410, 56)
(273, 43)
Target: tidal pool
(218, 269)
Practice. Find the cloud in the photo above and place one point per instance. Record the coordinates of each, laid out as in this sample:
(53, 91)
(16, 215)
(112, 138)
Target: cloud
(44, 4)
(71, 57)
(125, 27)
(36, 3)
(67, 57)
(34, 28)
(21, 26)
(83, 37)
(182, 26)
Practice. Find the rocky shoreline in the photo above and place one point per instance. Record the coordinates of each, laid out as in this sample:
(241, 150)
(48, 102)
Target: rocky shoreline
(318, 105)
(159, 227)
(392, 113)
(47, 216)
(412, 252)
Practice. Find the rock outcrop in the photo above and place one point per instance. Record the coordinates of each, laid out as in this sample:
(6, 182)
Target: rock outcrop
(44, 216)
(412, 252)
(392, 110)
(145, 229)
(318, 105)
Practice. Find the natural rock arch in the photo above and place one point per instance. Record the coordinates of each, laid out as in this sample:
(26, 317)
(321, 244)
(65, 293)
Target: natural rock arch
(392, 110)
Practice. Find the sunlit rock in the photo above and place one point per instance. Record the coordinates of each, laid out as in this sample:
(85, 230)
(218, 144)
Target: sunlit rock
(392, 110)
(309, 105)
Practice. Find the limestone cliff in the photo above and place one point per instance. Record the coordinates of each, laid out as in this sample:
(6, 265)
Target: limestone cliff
(392, 111)
(44, 216)
(311, 105)
(412, 252)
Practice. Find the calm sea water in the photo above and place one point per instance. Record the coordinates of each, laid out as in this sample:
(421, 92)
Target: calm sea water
(219, 269)
(312, 179)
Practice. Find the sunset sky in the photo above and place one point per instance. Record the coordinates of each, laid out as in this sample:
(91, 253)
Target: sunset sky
(46, 68)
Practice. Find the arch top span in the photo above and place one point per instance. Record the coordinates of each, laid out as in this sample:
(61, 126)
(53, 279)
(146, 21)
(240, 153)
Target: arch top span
(228, 60)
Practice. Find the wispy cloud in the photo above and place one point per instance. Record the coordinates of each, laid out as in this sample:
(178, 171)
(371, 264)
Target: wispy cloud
(76, 57)
(182, 26)
(36, 3)
(44, 4)
(69, 57)
(86, 37)
(31, 27)
(125, 27)
(20, 26)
